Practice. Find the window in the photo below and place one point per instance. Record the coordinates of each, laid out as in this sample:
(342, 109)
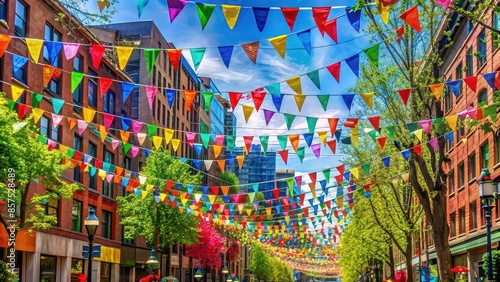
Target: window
(48, 268)
(158, 109)
(458, 75)
(126, 162)
(78, 93)
(76, 213)
(3, 9)
(54, 85)
(473, 215)
(153, 109)
(451, 181)
(461, 215)
(47, 129)
(164, 113)
(497, 141)
(468, 63)
(485, 155)
(20, 74)
(92, 95)
(76, 269)
(472, 166)
(496, 24)
(92, 149)
(453, 225)
(106, 224)
(481, 48)
(461, 175)
(482, 98)
(20, 19)
(108, 188)
(52, 208)
(77, 145)
(135, 103)
(105, 272)
(109, 102)
(448, 99)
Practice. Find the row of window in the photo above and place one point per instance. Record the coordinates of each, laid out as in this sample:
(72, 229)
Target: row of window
(458, 221)
(48, 269)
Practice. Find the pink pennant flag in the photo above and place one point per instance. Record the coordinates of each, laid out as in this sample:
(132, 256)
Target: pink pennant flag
(471, 112)
(56, 119)
(109, 177)
(444, 3)
(108, 120)
(136, 126)
(434, 144)
(96, 51)
(298, 180)
(114, 143)
(316, 148)
(426, 125)
(134, 151)
(219, 139)
(175, 7)
(151, 94)
(70, 50)
(52, 144)
(190, 136)
(82, 125)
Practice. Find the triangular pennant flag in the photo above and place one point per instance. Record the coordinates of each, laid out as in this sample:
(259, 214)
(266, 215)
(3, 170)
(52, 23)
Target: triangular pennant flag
(290, 15)
(426, 125)
(234, 98)
(35, 99)
(417, 149)
(174, 55)
(70, 50)
(71, 123)
(175, 7)
(104, 84)
(53, 48)
(452, 121)
(373, 135)
(127, 89)
(372, 54)
(314, 76)
(331, 29)
(294, 140)
(289, 118)
(207, 98)
(406, 154)
(455, 86)
(316, 148)
(323, 100)
(368, 98)
(96, 51)
(348, 98)
(282, 139)
(404, 94)
(175, 144)
(284, 156)
(252, 50)
(88, 114)
(222, 164)
(400, 31)
(311, 124)
(277, 101)
(332, 122)
(4, 43)
(17, 91)
(410, 16)
(332, 144)
(354, 17)
(381, 142)
(247, 112)
(418, 133)
(305, 37)
(338, 133)
(434, 144)
(387, 161)
(248, 142)
(22, 110)
(268, 115)
(82, 125)
(294, 83)
(197, 148)
(384, 11)
(204, 13)
(170, 97)
(375, 122)
(231, 13)
(490, 78)
(264, 141)
(205, 139)
(123, 54)
(190, 95)
(151, 55)
(141, 4)
(151, 94)
(76, 79)
(279, 43)
(299, 101)
(260, 15)
(355, 172)
(471, 82)
(258, 97)
(353, 63)
(18, 62)
(48, 71)
(320, 15)
(437, 90)
(197, 55)
(57, 105)
(334, 70)
(391, 130)
(34, 48)
(322, 137)
(366, 169)
(301, 153)
(225, 53)
(37, 114)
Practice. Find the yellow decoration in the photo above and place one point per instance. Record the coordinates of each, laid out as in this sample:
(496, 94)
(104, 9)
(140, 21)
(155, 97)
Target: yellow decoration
(247, 112)
(368, 98)
(384, 11)
(211, 198)
(34, 48)
(123, 54)
(163, 196)
(88, 114)
(157, 140)
(355, 172)
(312, 187)
(101, 173)
(299, 100)
(37, 114)
(217, 150)
(452, 121)
(240, 160)
(231, 13)
(294, 83)
(418, 133)
(144, 194)
(16, 92)
(322, 137)
(175, 144)
(169, 133)
(406, 177)
(103, 133)
(279, 43)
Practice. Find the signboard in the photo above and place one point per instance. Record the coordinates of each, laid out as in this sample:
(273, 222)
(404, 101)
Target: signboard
(174, 260)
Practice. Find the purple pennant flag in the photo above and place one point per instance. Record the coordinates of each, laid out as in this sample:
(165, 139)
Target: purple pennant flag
(426, 125)
(53, 48)
(316, 148)
(353, 17)
(387, 161)
(455, 86)
(170, 97)
(268, 115)
(255, 205)
(353, 63)
(175, 7)
(260, 15)
(309, 138)
(305, 38)
(18, 62)
(490, 78)
(348, 98)
(434, 144)
(277, 101)
(225, 53)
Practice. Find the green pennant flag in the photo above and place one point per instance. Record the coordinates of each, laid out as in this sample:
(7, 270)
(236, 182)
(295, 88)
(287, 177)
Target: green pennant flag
(491, 111)
(366, 168)
(197, 55)
(440, 125)
(274, 89)
(151, 130)
(70, 152)
(322, 205)
(57, 105)
(126, 147)
(282, 139)
(264, 141)
(412, 126)
(204, 13)
(36, 99)
(372, 54)
(301, 153)
(438, 121)
(205, 139)
(311, 124)
(251, 196)
(11, 105)
(76, 78)
(151, 55)
(314, 77)
(207, 97)
(204, 209)
(290, 181)
(289, 120)
(391, 130)
(326, 173)
(230, 143)
(373, 135)
(42, 139)
(323, 100)
(361, 191)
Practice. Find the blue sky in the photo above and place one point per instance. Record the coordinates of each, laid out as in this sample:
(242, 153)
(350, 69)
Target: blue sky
(185, 32)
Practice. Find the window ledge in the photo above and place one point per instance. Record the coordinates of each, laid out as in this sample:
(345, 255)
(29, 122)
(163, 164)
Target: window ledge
(473, 230)
(108, 198)
(496, 166)
(461, 188)
(20, 83)
(452, 194)
(472, 181)
(95, 192)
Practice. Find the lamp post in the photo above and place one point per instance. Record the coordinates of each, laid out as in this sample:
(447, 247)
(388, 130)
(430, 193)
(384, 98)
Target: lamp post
(229, 278)
(224, 272)
(487, 192)
(198, 274)
(153, 263)
(91, 223)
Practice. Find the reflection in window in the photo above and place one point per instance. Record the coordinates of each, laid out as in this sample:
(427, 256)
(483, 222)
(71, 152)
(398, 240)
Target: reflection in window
(76, 269)
(48, 268)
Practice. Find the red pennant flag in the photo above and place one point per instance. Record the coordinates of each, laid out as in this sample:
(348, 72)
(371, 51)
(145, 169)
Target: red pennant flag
(108, 120)
(375, 121)
(96, 51)
(306, 212)
(333, 145)
(381, 141)
(290, 15)
(170, 184)
(320, 15)
(389, 2)
(340, 168)
(334, 69)
(234, 98)
(400, 32)
(258, 96)
(104, 84)
(302, 197)
(248, 141)
(174, 55)
(418, 150)
(497, 81)
(22, 110)
(471, 82)
(331, 29)
(405, 95)
(328, 204)
(410, 16)
(339, 178)
(333, 125)
(312, 175)
(252, 50)
(276, 193)
(284, 156)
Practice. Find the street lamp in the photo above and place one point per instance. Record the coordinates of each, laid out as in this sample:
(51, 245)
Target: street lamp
(487, 192)
(236, 279)
(198, 274)
(91, 223)
(153, 262)
(229, 278)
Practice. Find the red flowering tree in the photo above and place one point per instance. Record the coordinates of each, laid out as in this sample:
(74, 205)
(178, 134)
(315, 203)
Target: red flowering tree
(233, 251)
(209, 248)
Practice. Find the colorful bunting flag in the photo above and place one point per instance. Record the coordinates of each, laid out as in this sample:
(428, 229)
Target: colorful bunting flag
(252, 50)
(410, 16)
(279, 43)
(231, 13)
(204, 13)
(175, 7)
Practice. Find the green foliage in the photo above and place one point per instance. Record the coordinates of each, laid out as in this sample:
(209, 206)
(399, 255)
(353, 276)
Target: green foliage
(142, 216)
(5, 274)
(495, 261)
(80, 10)
(32, 163)
(230, 179)
(260, 265)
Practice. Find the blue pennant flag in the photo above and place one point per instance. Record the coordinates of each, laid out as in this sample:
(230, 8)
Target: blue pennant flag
(260, 15)
(347, 175)
(196, 163)
(207, 204)
(406, 154)
(18, 62)
(137, 191)
(311, 201)
(231, 206)
(170, 97)
(126, 123)
(255, 187)
(353, 17)
(309, 138)
(321, 199)
(323, 184)
(184, 160)
(338, 133)
(277, 100)
(146, 152)
(53, 48)
(204, 189)
(490, 78)
(348, 98)
(449, 136)
(387, 161)
(346, 140)
(127, 88)
(305, 38)
(230, 161)
(327, 189)
(353, 63)
(315, 208)
(125, 181)
(367, 195)
(225, 53)
(225, 198)
(197, 148)
(178, 186)
(190, 188)
(278, 209)
(455, 86)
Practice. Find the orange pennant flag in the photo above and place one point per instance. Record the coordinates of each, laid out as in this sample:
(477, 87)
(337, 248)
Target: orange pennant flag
(279, 43)
(124, 135)
(34, 48)
(217, 150)
(48, 71)
(190, 94)
(71, 123)
(247, 112)
(294, 140)
(4, 43)
(240, 160)
(436, 90)
(225, 189)
(410, 16)
(299, 100)
(222, 165)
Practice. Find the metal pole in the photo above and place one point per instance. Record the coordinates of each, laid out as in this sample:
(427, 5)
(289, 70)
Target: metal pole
(487, 214)
(91, 239)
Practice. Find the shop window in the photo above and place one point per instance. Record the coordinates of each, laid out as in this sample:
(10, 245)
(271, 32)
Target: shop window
(76, 269)
(48, 268)
(105, 272)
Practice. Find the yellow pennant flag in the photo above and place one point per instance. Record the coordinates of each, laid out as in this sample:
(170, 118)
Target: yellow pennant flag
(248, 211)
(418, 133)
(163, 196)
(340, 202)
(437, 89)
(384, 11)
(63, 149)
(247, 112)
(406, 177)
(294, 140)
(123, 54)
(37, 114)
(34, 48)
(157, 141)
(452, 121)
(294, 83)
(395, 181)
(312, 187)
(101, 173)
(169, 133)
(299, 100)
(141, 137)
(211, 198)
(269, 211)
(222, 165)
(175, 144)
(144, 194)
(322, 137)
(279, 43)
(217, 150)
(231, 13)
(103, 133)
(240, 160)
(16, 92)
(88, 114)
(355, 172)
(368, 98)
(354, 138)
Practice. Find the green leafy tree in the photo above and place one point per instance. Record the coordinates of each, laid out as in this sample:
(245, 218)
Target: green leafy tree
(495, 261)
(159, 223)
(260, 265)
(280, 271)
(35, 172)
(230, 179)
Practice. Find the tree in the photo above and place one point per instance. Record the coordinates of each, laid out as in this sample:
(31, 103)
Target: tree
(30, 175)
(209, 247)
(80, 10)
(260, 265)
(159, 223)
(230, 179)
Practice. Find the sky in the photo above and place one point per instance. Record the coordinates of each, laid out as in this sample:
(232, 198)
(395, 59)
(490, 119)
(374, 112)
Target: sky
(242, 75)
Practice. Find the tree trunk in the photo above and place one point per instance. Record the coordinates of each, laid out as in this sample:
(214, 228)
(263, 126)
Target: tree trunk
(443, 253)
(392, 264)
(409, 258)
